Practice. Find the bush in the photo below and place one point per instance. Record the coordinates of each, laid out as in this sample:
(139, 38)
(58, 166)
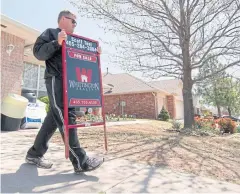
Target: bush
(238, 129)
(176, 125)
(46, 101)
(206, 126)
(227, 125)
(164, 116)
(205, 123)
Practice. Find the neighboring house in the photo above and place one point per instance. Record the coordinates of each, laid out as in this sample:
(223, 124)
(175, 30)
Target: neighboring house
(173, 87)
(19, 68)
(145, 100)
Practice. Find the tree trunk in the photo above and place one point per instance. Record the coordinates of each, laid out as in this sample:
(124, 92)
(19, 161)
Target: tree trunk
(188, 100)
(184, 41)
(229, 111)
(219, 110)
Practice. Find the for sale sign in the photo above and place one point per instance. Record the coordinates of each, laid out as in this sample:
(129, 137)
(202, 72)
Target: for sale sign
(82, 72)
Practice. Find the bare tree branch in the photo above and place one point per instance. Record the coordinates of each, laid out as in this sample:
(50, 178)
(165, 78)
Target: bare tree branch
(170, 37)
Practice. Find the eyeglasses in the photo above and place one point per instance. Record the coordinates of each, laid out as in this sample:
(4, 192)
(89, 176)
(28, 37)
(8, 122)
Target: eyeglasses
(73, 21)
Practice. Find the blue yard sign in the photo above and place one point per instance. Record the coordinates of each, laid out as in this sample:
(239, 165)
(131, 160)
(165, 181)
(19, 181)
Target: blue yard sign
(83, 81)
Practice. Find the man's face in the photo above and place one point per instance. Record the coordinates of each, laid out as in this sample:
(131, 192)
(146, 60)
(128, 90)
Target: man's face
(69, 23)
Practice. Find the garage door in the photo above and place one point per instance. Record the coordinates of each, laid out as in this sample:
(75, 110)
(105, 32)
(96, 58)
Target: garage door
(179, 109)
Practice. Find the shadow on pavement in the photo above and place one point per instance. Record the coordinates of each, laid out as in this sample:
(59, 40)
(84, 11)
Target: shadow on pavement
(26, 179)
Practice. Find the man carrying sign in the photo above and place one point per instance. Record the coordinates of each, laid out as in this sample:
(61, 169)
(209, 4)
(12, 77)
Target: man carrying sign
(48, 48)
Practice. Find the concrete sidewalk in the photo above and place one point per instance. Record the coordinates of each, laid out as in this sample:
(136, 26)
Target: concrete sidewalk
(115, 176)
(119, 123)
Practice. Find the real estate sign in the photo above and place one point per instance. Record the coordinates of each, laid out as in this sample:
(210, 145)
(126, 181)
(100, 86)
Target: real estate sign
(83, 75)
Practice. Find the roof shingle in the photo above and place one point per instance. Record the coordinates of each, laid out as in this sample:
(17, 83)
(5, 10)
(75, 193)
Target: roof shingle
(126, 83)
(173, 86)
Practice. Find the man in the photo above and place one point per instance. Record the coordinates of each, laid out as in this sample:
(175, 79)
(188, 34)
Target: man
(48, 48)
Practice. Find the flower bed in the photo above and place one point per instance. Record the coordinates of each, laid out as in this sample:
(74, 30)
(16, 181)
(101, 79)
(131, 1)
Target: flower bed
(224, 125)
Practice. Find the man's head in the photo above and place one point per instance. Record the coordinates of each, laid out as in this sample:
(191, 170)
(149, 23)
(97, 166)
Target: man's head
(67, 21)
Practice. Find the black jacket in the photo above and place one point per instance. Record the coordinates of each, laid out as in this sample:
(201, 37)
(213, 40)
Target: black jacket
(46, 48)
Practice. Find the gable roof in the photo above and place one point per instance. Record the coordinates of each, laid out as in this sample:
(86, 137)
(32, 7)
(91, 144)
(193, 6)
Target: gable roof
(18, 29)
(172, 86)
(126, 83)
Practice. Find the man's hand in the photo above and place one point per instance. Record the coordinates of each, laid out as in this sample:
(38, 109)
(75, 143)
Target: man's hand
(62, 36)
(99, 50)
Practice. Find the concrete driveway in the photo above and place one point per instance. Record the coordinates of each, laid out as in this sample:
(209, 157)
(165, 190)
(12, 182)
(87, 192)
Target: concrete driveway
(115, 176)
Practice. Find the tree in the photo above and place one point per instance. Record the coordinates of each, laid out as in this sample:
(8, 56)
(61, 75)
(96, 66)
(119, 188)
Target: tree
(211, 89)
(164, 115)
(170, 38)
(221, 90)
(231, 95)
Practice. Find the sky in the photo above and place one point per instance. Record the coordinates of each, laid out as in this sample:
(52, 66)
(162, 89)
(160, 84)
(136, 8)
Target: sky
(41, 15)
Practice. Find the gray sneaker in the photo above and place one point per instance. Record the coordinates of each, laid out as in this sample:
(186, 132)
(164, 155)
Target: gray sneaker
(39, 162)
(90, 165)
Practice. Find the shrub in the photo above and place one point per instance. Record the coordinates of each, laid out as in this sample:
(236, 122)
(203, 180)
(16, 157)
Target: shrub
(206, 126)
(227, 125)
(205, 123)
(164, 115)
(176, 125)
(238, 129)
(46, 101)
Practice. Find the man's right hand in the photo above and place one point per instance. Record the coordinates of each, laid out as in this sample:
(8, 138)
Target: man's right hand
(62, 36)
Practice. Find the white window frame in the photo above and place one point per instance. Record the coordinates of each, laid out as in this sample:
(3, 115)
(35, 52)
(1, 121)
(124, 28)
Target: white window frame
(37, 89)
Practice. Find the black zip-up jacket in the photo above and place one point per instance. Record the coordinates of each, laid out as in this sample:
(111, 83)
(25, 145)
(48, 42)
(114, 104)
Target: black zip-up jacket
(46, 48)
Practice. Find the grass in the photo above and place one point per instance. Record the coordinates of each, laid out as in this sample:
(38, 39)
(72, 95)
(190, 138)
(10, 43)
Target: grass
(156, 143)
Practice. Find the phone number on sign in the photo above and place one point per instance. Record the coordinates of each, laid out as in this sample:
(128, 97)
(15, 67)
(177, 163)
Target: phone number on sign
(81, 46)
(79, 102)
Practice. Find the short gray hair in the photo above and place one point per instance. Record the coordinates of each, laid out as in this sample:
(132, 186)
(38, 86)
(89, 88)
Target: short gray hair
(64, 13)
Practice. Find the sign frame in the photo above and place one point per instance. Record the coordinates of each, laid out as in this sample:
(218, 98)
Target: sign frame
(67, 127)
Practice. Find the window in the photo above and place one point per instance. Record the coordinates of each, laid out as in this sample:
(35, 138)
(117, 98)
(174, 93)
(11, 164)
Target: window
(33, 79)
(42, 86)
(30, 76)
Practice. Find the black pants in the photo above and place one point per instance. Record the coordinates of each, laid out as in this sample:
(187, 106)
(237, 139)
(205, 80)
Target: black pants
(53, 120)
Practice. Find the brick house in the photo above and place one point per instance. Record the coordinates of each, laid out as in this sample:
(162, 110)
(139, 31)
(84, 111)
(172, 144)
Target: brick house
(174, 87)
(19, 68)
(145, 100)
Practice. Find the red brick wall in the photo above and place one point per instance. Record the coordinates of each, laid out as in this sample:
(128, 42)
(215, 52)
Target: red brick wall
(171, 106)
(11, 66)
(142, 105)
